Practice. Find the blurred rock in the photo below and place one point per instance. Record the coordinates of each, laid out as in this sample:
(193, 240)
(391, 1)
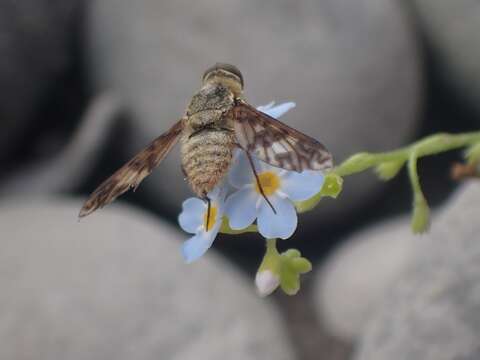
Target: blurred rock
(114, 286)
(357, 276)
(433, 311)
(36, 48)
(67, 170)
(352, 67)
(452, 28)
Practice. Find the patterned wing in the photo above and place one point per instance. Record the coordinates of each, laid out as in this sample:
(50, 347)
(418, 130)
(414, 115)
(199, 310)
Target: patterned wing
(133, 172)
(276, 143)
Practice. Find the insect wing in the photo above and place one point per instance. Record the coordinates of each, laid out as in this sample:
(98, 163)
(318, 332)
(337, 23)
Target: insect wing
(133, 172)
(276, 143)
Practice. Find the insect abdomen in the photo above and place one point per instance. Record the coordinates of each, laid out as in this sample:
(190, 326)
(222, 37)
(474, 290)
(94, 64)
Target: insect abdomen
(206, 158)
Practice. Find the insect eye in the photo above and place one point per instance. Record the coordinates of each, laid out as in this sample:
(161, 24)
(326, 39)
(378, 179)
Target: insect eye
(225, 67)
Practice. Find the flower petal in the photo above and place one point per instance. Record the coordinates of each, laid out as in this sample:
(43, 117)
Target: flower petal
(265, 108)
(241, 209)
(241, 173)
(191, 217)
(302, 186)
(280, 225)
(197, 245)
(278, 110)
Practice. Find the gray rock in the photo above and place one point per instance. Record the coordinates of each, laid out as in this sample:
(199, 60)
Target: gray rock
(114, 286)
(352, 67)
(452, 28)
(355, 279)
(67, 170)
(36, 44)
(433, 312)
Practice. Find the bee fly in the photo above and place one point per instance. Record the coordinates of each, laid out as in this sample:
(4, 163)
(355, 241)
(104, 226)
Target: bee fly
(217, 120)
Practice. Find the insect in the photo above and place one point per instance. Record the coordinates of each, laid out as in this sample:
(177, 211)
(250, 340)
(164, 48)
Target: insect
(217, 121)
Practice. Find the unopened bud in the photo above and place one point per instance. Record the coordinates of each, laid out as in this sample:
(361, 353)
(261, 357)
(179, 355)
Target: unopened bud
(266, 282)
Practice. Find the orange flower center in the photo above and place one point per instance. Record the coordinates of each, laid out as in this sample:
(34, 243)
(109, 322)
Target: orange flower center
(211, 219)
(269, 182)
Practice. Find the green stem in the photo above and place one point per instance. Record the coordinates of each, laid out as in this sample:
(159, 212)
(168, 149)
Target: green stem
(430, 145)
(271, 259)
(421, 213)
(272, 247)
(413, 175)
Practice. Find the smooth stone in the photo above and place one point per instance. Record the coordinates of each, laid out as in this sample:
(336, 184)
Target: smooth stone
(36, 44)
(353, 281)
(66, 171)
(352, 67)
(451, 28)
(114, 286)
(432, 313)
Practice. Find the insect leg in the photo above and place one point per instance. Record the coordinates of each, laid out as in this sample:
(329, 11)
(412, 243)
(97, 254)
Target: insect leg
(249, 157)
(207, 199)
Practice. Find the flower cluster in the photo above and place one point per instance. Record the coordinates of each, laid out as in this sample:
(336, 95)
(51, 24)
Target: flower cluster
(243, 201)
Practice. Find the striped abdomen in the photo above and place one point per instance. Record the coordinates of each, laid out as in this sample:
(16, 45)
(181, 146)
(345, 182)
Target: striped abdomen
(206, 158)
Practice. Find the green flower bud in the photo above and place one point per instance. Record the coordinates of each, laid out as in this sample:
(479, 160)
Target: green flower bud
(388, 170)
(472, 154)
(421, 215)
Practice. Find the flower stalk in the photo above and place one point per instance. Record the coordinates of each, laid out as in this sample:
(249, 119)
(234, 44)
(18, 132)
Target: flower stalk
(430, 145)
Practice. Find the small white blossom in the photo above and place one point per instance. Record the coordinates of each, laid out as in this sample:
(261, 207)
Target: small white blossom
(193, 219)
(266, 282)
(281, 187)
(276, 111)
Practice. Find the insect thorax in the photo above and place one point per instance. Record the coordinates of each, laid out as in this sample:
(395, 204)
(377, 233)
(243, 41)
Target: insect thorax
(208, 105)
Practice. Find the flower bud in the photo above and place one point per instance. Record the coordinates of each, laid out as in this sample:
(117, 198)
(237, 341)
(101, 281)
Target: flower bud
(421, 216)
(266, 282)
(388, 170)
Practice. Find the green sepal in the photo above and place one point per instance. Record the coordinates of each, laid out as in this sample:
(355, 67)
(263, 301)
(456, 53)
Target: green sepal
(226, 229)
(288, 266)
(293, 265)
(332, 187)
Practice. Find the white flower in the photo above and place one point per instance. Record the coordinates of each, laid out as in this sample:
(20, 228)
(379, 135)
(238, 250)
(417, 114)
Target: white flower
(276, 111)
(266, 282)
(281, 187)
(193, 219)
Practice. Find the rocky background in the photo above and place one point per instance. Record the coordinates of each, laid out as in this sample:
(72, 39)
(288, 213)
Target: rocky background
(86, 84)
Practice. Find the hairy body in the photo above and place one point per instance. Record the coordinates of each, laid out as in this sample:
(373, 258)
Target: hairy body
(208, 139)
(216, 121)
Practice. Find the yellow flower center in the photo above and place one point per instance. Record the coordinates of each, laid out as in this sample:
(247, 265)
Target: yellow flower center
(269, 181)
(211, 219)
